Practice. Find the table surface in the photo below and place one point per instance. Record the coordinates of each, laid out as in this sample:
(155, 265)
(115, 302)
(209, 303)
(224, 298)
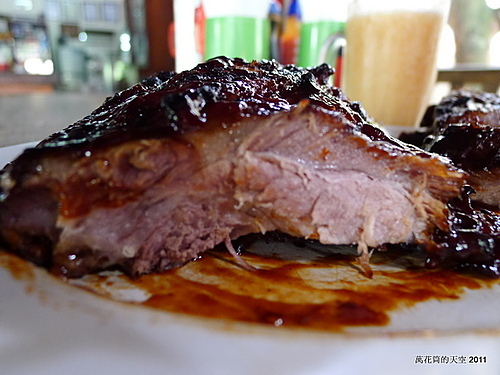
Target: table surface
(32, 117)
(487, 77)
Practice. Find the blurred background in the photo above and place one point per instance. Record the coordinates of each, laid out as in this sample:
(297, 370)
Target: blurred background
(105, 45)
(88, 49)
(74, 45)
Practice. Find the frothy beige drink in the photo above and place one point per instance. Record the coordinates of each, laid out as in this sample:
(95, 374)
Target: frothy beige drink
(390, 63)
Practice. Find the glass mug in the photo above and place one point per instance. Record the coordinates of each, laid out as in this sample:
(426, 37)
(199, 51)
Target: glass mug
(391, 56)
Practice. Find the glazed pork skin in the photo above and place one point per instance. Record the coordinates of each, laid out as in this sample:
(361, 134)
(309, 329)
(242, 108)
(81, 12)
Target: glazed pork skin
(180, 163)
(474, 148)
(466, 129)
(464, 107)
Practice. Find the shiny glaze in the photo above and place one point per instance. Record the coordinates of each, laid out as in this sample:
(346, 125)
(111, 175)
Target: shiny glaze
(217, 95)
(464, 127)
(473, 147)
(473, 241)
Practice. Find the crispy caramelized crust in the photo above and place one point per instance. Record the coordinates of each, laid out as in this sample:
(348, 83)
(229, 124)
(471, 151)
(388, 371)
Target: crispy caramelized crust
(466, 129)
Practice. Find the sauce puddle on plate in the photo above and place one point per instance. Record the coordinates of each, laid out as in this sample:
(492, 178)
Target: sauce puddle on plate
(291, 286)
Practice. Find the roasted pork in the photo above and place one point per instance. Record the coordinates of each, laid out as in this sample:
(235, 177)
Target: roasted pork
(180, 163)
(466, 128)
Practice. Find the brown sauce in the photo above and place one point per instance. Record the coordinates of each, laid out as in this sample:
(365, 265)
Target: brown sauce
(282, 295)
(328, 293)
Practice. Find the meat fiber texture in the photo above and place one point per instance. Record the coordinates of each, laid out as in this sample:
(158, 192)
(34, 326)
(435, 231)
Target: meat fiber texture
(180, 163)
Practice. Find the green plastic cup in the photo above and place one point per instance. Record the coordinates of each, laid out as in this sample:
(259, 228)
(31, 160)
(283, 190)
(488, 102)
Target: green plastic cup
(237, 36)
(313, 36)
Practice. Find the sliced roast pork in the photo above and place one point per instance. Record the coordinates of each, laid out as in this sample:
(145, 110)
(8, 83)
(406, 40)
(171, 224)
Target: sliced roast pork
(180, 163)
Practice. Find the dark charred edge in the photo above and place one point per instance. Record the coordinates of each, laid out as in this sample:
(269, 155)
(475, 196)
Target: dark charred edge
(470, 146)
(473, 242)
(464, 127)
(34, 248)
(147, 106)
(170, 105)
(475, 109)
(460, 103)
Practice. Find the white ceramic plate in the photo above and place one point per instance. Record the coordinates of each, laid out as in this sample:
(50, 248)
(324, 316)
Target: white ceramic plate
(50, 327)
